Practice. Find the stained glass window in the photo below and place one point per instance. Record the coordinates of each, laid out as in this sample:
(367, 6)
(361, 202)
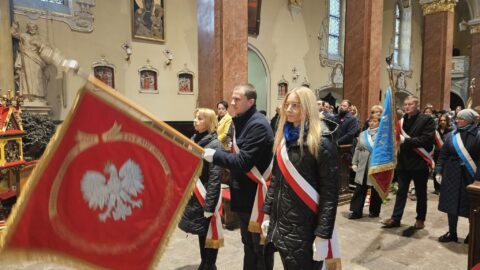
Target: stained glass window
(396, 44)
(60, 2)
(334, 27)
(57, 6)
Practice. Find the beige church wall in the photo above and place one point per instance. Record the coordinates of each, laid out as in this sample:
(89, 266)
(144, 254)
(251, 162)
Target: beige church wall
(287, 41)
(113, 27)
(413, 81)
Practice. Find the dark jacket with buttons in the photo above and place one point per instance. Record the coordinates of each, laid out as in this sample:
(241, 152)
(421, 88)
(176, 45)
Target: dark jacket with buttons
(254, 138)
(193, 220)
(293, 225)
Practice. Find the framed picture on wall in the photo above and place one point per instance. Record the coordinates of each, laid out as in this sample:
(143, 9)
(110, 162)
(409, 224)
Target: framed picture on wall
(282, 88)
(105, 72)
(254, 8)
(148, 79)
(185, 82)
(149, 20)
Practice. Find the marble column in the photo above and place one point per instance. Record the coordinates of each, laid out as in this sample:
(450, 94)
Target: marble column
(475, 61)
(222, 49)
(6, 51)
(363, 45)
(437, 53)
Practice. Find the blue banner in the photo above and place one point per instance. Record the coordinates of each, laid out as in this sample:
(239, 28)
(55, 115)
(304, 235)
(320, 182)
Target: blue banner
(383, 159)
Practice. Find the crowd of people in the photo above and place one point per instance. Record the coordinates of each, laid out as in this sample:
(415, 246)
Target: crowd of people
(284, 174)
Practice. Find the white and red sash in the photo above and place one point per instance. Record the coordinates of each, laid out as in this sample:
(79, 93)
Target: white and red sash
(257, 216)
(438, 140)
(428, 157)
(306, 193)
(462, 152)
(215, 231)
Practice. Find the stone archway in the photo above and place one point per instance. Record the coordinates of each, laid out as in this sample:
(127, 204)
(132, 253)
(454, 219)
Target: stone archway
(456, 100)
(400, 96)
(259, 76)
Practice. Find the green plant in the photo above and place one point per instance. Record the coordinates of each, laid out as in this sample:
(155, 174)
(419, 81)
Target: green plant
(38, 131)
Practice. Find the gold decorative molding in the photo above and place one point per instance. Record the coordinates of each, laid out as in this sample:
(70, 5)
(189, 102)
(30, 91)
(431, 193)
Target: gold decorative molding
(439, 6)
(474, 29)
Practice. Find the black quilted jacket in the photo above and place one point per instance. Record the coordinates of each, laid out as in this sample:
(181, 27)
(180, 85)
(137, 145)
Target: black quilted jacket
(293, 226)
(193, 220)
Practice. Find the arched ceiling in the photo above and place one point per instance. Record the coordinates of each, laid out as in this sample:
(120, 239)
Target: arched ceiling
(474, 9)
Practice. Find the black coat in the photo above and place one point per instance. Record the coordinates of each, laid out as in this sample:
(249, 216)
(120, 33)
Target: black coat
(254, 138)
(347, 129)
(293, 226)
(421, 129)
(193, 220)
(455, 177)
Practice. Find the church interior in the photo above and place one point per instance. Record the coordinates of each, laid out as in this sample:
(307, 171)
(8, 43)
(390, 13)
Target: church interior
(173, 56)
(338, 49)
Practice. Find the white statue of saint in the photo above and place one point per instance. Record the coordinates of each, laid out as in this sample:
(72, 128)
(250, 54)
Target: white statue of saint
(401, 84)
(30, 68)
(337, 74)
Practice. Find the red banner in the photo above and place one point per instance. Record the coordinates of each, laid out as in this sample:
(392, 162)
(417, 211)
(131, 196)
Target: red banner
(108, 190)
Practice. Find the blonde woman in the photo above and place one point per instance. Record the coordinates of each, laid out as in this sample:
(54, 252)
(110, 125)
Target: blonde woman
(302, 156)
(360, 165)
(224, 123)
(375, 111)
(197, 218)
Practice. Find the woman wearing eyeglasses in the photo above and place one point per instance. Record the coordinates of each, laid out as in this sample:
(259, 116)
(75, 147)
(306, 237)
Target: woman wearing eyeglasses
(303, 194)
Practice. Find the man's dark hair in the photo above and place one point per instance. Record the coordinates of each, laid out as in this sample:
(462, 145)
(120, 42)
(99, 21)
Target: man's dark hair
(249, 89)
(348, 101)
(224, 103)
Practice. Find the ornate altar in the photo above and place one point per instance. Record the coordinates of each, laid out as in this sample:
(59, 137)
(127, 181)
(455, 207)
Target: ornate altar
(11, 151)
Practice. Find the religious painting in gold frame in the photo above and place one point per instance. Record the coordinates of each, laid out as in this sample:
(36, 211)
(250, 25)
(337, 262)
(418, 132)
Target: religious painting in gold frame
(254, 8)
(148, 76)
(282, 88)
(148, 20)
(185, 81)
(104, 71)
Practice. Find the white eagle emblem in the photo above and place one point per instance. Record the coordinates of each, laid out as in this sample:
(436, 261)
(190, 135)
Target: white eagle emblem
(117, 193)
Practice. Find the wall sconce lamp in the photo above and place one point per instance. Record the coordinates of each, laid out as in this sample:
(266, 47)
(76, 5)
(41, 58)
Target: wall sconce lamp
(169, 55)
(463, 25)
(128, 50)
(296, 75)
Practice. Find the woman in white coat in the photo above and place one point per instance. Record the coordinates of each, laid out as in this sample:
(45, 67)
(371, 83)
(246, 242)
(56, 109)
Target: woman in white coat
(360, 164)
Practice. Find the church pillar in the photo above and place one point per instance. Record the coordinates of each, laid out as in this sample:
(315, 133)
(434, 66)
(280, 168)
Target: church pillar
(363, 45)
(6, 51)
(222, 49)
(437, 52)
(475, 61)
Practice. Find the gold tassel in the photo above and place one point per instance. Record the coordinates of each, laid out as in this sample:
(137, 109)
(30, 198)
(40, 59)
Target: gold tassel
(254, 227)
(333, 264)
(215, 244)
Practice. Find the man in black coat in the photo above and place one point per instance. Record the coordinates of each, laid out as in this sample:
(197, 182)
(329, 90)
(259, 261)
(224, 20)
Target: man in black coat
(410, 165)
(254, 138)
(348, 124)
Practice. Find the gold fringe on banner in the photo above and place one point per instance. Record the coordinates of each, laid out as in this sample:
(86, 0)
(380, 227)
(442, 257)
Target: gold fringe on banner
(333, 264)
(216, 244)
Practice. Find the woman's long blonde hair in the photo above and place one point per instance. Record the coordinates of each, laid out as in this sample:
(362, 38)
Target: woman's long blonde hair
(308, 113)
